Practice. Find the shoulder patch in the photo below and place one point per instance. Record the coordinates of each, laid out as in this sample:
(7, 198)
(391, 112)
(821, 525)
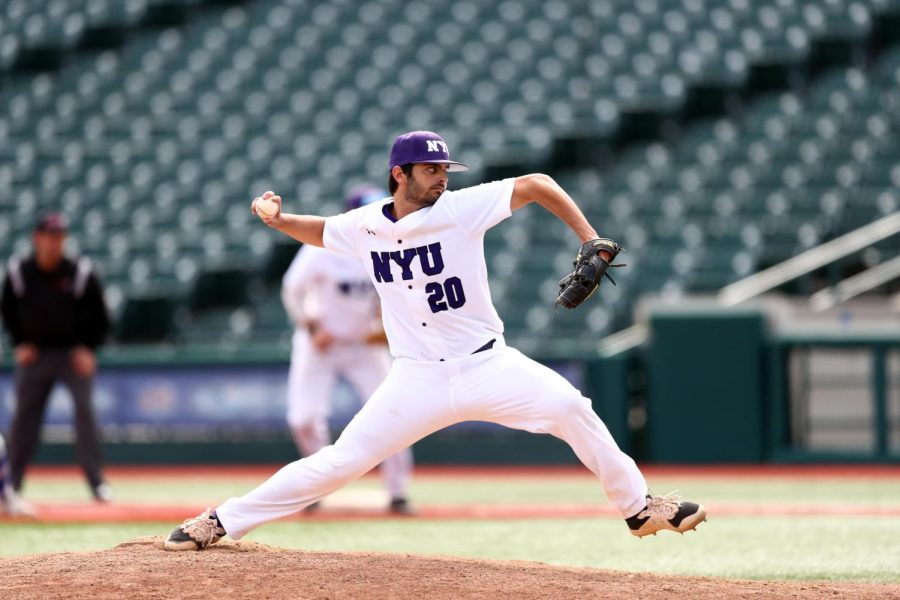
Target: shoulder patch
(83, 270)
(14, 270)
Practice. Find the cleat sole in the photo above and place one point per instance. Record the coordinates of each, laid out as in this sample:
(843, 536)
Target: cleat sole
(689, 524)
(173, 546)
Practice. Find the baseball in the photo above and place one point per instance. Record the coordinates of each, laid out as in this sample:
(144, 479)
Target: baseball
(266, 208)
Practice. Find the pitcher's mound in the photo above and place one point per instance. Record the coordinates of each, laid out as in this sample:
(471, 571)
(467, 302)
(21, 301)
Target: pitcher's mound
(142, 569)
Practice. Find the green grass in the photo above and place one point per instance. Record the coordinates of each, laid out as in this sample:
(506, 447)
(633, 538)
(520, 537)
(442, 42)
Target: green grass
(821, 548)
(20, 539)
(430, 489)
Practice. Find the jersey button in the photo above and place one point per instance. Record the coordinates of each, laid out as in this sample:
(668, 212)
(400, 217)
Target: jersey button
(399, 241)
(424, 325)
(409, 286)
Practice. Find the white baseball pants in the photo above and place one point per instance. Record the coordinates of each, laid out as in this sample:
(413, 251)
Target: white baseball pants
(311, 380)
(418, 398)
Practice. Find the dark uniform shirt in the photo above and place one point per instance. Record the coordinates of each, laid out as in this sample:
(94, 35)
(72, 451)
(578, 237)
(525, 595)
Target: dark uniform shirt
(50, 313)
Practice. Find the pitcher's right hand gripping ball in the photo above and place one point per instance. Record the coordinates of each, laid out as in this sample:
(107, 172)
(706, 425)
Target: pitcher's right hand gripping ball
(267, 207)
(590, 267)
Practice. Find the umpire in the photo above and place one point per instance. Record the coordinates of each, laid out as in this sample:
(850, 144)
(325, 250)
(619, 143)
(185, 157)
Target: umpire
(54, 312)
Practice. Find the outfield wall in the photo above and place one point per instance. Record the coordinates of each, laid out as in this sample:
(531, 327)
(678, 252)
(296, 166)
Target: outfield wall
(708, 386)
(199, 407)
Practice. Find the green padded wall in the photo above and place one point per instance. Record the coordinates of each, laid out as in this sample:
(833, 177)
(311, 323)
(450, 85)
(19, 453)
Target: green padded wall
(706, 387)
(607, 386)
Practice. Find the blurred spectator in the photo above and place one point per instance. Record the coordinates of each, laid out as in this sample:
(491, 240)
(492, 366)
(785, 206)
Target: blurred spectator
(336, 311)
(54, 313)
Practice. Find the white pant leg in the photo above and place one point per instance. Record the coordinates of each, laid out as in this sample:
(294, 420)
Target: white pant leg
(411, 403)
(369, 367)
(311, 380)
(506, 387)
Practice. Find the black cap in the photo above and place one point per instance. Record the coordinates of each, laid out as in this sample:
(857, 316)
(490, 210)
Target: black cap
(52, 223)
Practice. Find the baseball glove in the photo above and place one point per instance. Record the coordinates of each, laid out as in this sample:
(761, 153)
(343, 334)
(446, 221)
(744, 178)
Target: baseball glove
(590, 268)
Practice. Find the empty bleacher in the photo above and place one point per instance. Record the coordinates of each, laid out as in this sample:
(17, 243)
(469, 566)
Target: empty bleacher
(730, 134)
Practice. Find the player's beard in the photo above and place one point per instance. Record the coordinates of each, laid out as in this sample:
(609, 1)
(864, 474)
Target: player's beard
(419, 195)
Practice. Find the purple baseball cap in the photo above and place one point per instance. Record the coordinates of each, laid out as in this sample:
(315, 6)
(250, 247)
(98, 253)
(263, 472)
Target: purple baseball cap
(363, 195)
(422, 147)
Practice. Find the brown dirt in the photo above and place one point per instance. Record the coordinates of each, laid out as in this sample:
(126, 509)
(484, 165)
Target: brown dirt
(141, 569)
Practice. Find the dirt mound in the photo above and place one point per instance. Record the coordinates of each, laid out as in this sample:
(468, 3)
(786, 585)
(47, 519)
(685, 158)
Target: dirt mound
(142, 569)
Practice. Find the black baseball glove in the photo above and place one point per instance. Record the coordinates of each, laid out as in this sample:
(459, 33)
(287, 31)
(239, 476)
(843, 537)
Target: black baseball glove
(590, 268)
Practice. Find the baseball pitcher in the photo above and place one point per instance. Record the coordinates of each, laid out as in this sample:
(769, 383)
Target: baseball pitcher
(423, 249)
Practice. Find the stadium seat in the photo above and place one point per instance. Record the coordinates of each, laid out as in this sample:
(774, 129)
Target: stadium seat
(154, 146)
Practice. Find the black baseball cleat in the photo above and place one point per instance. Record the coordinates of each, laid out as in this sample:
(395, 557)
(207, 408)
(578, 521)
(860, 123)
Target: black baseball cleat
(196, 533)
(402, 507)
(666, 512)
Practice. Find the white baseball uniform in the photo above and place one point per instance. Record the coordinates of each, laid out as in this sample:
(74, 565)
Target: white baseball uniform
(334, 290)
(430, 272)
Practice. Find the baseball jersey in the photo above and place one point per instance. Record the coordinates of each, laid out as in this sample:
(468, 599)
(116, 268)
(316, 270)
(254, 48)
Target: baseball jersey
(333, 289)
(429, 268)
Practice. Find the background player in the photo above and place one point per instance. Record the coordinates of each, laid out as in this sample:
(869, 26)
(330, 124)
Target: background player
(56, 317)
(424, 251)
(335, 309)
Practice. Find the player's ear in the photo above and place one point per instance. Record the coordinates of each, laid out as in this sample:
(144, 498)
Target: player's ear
(398, 174)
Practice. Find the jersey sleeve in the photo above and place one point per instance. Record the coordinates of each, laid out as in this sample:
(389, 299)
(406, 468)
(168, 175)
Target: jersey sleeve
(476, 209)
(93, 321)
(9, 306)
(341, 232)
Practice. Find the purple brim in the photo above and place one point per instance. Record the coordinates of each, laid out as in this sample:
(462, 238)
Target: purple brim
(452, 165)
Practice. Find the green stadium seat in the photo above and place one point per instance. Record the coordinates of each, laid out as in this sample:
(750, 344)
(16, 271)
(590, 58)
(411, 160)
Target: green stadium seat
(216, 287)
(146, 319)
(154, 147)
